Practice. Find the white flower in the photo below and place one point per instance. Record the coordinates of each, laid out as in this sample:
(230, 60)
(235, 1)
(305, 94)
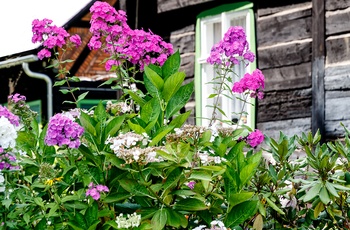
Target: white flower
(8, 133)
(2, 188)
(2, 178)
(200, 227)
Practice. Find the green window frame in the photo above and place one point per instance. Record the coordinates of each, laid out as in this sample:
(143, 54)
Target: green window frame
(210, 28)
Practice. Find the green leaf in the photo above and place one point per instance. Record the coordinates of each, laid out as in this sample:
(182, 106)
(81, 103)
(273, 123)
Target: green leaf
(159, 219)
(91, 214)
(82, 96)
(136, 127)
(324, 196)
(79, 218)
(176, 219)
(6, 202)
(200, 175)
(190, 204)
(313, 192)
(59, 83)
(100, 112)
(113, 126)
(273, 205)
(161, 133)
(134, 187)
(88, 123)
(179, 100)
(172, 85)
(238, 198)
(39, 201)
(153, 82)
(171, 65)
(318, 209)
(331, 189)
(139, 100)
(151, 110)
(241, 213)
(172, 179)
(116, 197)
(178, 121)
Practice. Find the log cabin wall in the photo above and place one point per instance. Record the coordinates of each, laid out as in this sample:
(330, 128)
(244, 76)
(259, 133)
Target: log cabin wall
(284, 42)
(284, 54)
(337, 68)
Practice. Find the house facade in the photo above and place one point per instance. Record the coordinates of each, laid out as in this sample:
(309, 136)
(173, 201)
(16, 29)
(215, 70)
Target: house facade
(301, 46)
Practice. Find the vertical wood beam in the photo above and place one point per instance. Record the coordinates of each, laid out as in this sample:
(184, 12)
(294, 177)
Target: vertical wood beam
(318, 67)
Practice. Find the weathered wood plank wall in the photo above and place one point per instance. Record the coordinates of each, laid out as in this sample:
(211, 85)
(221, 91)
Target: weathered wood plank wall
(337, 79)
(284, 55)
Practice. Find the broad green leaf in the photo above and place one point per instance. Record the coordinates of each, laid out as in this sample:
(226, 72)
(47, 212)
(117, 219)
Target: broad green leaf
(185, 192)
(91, 214)
(313, 192)
(88, 123)
(79, 218)
(190, 204)
(176, 219)
(172, 85)
(136, 127)
(246, 174)
(159, 219)
(324, 196)
(241, 213)
(161, 134)
(100, 112)
(134, 187)
(113, 126)
(153, 82)
(171, 65)
(179, 120)
(151, 110)
(111, 198)
(238, 198)
(82, 96)
(331, 189)
(179, 100)
(200, 175)
(172, 178)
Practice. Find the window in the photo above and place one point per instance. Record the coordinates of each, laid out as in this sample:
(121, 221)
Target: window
(211, 27)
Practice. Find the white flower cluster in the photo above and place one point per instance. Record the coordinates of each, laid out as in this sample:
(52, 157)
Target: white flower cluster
(132, 220)
(215, 225)
(8, 133)
(131, 148)
(207, 159)
(120, 107)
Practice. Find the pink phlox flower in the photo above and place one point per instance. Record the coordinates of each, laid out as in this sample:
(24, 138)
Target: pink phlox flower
(4, 112)
(17, 97)
(63, 131)
(44, 53)
(250, 82)
(95, 191)
(75, 39)
(255, 138)
(191, 184)
(234, 44)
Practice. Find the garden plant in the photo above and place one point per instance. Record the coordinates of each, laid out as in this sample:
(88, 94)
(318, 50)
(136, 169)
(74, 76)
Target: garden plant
(135, 163)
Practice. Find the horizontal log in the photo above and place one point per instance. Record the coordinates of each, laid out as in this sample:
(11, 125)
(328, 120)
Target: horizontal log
(166, 5)
(334, 129)
(283, 105)
(336, 4)
(283, 55)
(272, 10)
(288, 127)
(335, 22)
(283, 29)
(338, 49)
(289, 77)
(337, 105)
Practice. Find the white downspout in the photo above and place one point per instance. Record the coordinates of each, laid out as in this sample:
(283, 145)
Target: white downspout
(47, 79)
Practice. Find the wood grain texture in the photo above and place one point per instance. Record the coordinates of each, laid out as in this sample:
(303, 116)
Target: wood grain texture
(336, 4)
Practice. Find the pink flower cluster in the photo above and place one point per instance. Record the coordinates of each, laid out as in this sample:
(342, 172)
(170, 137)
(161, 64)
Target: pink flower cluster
(63, 131)
(4, 112)
(109, 27)
(233, 45)
(254, 83)
(7, 161)
(255, 138)
(95, 190)
(17, 98)
(50, 36)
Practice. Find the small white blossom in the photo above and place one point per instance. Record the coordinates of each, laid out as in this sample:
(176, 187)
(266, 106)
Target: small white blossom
(8, 133)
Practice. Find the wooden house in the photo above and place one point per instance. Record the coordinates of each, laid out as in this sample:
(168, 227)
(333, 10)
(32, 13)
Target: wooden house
(301, 46)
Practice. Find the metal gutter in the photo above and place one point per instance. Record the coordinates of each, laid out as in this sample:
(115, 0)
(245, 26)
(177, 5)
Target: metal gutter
(24, 60)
